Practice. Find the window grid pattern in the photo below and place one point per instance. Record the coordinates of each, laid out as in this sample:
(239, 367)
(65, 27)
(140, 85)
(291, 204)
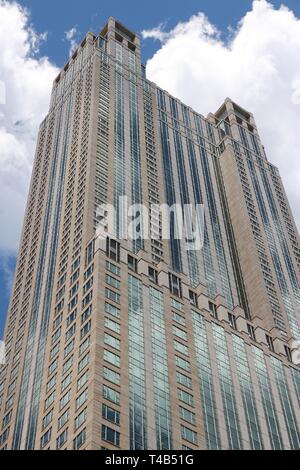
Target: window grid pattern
(247, 392)
(206, 382)
(287, 406)
(267, 399)
(136, 360)
(160, 371)
(227, 388)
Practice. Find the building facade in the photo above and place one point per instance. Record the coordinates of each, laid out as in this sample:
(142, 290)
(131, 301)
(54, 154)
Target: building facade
(115, 343)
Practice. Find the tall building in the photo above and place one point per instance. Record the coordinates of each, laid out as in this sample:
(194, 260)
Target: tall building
(142, 344)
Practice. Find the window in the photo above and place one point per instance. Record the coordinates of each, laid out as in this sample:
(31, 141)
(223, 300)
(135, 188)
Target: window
(10, 401)
(132, 263)
(56, 335)
(67, 365)
(112, 358)
(232, 320)
(111, 376)
(46, 438)
(110, 414)
(189, 435)
(54, 351)
(71, 318)
(74, 277)
(89, 253)
(88, 272)
(187, 415)
(84, 346)
(86, 314)
(49, 400)
(63, 419)
(59, 306)
(66, 382)
(180, 333)
(251, 331)
(185, 397)
(65, 400)
(11, 387)
(76, 264)
(270, 343)
(175, 285)
(184, 380)
(47, 419)
(181, 348)
(112, 341)
(112, 310)
(288, 353)
(57, 322)
(70, 332)
(80, 419)
(182, 363)
(82, 380)
(62, 439)
(82, 399)
(69, 348)
(179, 318)
(52, 367)
(74, 290)
(112, 268)
(113, 249)
(111, 295)
(213, 309)
(193, 298)
(87, 299)
(85, 329)
(110, 435)
(112, 325)
(177, 305)
(51, 383)
(153, 275)
(79, 440)
(111, 395)
(73, 303)
(6, 419)
(83, 362)
(111, 281)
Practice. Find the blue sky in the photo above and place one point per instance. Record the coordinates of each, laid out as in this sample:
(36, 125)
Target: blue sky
(58, 16)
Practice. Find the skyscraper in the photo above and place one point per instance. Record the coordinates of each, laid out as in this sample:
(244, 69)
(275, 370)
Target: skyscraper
(142, 343)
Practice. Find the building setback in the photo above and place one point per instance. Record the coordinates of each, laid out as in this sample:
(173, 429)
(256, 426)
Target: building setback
(142, 344)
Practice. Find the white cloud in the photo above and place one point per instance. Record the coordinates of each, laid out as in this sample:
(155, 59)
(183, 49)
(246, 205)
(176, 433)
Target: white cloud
(156, 33)
(70, 37)
(27, 80)
(257, 66)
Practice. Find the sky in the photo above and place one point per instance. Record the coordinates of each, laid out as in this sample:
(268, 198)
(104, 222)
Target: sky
(199, 50)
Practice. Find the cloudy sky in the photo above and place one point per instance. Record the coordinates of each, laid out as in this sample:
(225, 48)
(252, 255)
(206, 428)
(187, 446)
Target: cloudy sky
(199, 50)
